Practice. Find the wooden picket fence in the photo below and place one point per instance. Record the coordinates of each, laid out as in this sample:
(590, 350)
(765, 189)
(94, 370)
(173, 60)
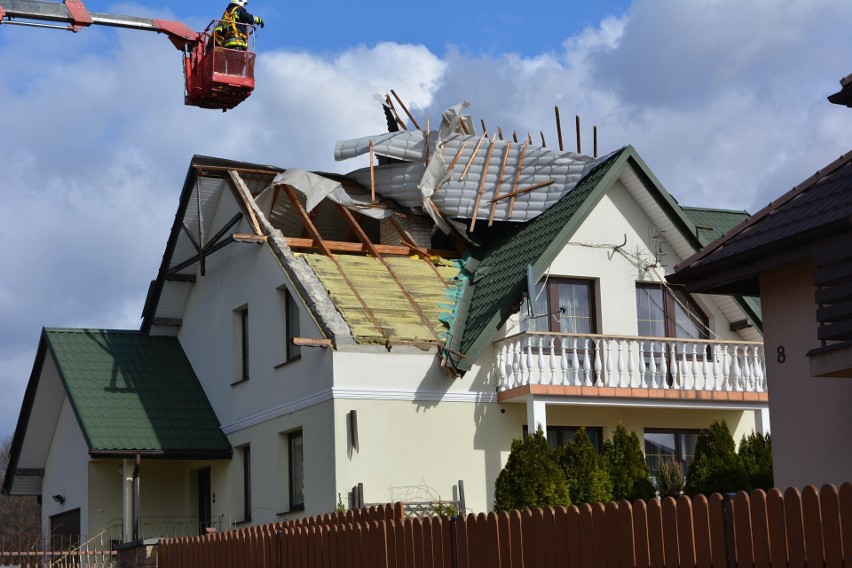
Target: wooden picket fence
(795, 529)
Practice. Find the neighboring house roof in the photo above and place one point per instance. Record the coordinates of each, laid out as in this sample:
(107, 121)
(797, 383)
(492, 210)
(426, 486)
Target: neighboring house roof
(131, 393)
(710, 224)
(844, 95)
(780, 233)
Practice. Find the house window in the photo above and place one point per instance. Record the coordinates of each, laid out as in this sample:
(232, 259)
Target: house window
(241, 335)
(562, 305)
(663, 311)
(677, 445)
(560, 435)
(296, 459)
(246, 451)
(288, 325)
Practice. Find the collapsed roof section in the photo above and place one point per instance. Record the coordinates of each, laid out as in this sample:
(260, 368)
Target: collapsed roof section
(453, 174)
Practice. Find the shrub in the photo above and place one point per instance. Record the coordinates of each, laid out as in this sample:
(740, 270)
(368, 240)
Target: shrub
(716, 466)
(669, 478)
(531, 477)
(585, 470)
(756, 454)
(628, 470)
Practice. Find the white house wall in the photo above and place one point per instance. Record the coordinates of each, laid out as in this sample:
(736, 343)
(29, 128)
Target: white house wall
(246, 275)
(279, 396)
(65, 471)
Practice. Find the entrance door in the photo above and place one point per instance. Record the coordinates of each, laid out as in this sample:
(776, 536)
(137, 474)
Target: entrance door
(65, 530)
(204, 503)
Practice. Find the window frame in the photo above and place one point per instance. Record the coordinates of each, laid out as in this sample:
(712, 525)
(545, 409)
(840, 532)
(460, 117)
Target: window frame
(669, 307)
(289, 326)
(292, 437)
(560, 435)
(242, 365)
(682, 460)
(551, 297)
(246, 455)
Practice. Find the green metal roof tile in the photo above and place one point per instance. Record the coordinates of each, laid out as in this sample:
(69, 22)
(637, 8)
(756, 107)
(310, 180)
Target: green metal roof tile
(135, 392)
(711, 224)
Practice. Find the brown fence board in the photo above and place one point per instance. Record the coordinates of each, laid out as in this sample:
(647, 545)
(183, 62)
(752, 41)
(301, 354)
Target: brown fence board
(846, 519)
(640, 534)
(517, 536)
(775, 517)
(669, 534)
(796, 553)
(461, 560)
(611, 535)
(812, 520)
(599, 534)
(587, 547)
(685, 532)
(759, 529)
(701, 528)
(626, 532)
(742, 530)
(575, 559)
(829, 501)
(655, 534)
(537, 537)
(549, 537)
(505, 542)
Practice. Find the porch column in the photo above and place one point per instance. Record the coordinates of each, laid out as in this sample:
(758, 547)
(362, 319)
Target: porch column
(761, 420)
(127, 508)
(536, 415)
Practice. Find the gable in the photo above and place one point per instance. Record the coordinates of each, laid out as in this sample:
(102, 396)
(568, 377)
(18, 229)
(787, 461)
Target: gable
(499, 278)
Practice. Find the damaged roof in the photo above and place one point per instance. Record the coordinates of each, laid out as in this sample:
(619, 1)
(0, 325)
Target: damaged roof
(494, 205)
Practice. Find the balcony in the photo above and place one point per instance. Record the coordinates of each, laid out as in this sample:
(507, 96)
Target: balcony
(669, 369)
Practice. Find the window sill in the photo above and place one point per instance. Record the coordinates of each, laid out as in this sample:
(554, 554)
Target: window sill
(299, 509)
(287, 362)
(239, 382)
(243, 522)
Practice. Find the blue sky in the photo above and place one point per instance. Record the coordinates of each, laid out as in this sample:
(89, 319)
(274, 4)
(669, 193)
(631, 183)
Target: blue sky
(723, 99)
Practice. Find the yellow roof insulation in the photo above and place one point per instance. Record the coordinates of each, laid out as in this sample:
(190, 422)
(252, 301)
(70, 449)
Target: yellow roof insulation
(383, 296)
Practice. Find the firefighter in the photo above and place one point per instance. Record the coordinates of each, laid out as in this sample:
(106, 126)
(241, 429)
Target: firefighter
(232, 32)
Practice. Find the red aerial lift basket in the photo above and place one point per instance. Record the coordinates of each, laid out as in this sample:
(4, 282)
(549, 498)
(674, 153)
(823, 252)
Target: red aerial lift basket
(217, 77)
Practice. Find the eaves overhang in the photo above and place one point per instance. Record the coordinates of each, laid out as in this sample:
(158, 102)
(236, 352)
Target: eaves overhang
(198, 164)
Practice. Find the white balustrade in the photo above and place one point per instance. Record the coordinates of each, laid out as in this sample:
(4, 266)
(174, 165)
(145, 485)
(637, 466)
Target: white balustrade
(619, 362)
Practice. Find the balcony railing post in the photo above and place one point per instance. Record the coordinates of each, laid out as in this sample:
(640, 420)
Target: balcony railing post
(664, 366)
(587, 364)
(598, 365)
(609, 378)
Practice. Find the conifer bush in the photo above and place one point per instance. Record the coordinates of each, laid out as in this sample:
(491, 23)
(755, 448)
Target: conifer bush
(669, 479)
(628, 470)
(716, 466)
(585, 470)
(531, 478)
(756, 454)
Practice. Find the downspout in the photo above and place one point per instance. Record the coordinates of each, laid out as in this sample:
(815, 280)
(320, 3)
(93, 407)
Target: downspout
(136, 498)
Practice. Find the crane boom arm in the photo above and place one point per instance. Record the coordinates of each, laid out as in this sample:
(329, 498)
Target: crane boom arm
(73, 12)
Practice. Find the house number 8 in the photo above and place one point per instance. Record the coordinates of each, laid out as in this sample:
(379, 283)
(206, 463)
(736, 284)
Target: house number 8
(781, 356)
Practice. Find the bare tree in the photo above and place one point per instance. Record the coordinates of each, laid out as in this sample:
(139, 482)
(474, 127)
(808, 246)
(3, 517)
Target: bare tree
(20, 517)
